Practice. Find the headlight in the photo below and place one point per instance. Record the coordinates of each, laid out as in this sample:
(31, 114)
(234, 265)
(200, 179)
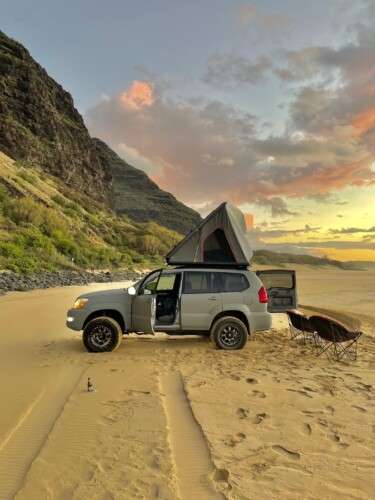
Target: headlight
(80, 303)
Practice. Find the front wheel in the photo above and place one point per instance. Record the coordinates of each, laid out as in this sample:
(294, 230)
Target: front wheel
(102, 334)
(229, 333)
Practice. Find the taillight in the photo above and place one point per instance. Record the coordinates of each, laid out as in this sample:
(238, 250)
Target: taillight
(263, 296)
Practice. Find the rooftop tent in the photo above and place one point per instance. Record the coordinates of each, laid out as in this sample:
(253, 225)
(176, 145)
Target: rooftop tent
(219, 240)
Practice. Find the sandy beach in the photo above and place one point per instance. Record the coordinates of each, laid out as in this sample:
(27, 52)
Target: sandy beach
(176, 419)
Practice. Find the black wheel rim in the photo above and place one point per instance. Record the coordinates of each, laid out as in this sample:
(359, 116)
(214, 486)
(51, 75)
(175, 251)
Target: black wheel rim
(230, 335)
(101, 336)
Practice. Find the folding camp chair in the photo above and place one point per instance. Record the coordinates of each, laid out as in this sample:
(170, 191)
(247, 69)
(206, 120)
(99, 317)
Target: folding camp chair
(335, 338)
(300, 325)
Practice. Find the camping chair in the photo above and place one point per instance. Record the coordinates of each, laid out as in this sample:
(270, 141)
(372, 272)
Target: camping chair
(335, 337)
(300, 325)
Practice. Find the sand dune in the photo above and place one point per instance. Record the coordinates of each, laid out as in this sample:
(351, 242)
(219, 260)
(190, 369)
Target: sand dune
(176, 419)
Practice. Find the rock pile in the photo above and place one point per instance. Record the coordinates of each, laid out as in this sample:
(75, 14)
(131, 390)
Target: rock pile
(10, 282)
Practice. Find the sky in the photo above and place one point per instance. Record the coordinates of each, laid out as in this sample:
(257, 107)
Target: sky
(269, 104)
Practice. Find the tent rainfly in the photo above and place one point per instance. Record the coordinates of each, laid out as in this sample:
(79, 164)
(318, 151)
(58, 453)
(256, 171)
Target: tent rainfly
(219, 240)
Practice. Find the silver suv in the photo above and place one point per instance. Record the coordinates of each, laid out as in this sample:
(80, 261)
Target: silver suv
(229, 304)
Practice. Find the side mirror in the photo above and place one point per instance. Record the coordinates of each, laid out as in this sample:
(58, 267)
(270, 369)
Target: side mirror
(132, 290)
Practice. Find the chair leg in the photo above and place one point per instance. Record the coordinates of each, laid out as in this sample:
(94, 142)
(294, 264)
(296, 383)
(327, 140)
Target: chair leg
(311, 337)
(325, 346)
(317, 341)
(349, 350)
(294, 332)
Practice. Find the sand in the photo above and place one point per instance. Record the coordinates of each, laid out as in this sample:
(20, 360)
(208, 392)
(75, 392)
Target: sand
(176, 419)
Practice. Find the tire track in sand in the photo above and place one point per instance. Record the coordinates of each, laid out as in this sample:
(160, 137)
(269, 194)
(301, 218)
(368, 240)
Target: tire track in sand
(24, 441)
(189, 448)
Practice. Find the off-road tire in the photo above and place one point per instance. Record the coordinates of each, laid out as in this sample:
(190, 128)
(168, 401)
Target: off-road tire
(229, 333)
(102, 334)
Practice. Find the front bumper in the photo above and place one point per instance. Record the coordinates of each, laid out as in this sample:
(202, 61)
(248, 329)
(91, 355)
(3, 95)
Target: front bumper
(75, 319)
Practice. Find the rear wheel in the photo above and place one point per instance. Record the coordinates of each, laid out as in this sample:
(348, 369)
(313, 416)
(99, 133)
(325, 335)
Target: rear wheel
(102, 334)
(229, 333)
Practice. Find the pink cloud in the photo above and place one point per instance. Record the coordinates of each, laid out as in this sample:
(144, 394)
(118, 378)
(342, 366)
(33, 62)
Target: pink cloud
(139, 95)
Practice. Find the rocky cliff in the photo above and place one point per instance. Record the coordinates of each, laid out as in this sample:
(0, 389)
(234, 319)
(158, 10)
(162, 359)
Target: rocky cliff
(136, 195)
(40, 126)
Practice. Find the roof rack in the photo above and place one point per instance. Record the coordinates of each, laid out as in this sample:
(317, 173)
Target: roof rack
(212, 266)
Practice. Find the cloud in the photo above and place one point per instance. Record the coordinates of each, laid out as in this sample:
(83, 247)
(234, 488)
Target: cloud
(327, 198)
(227, 69)
(337, 244)
(337, 96)
(277, 233)
(259, 240)
(277, 206)
(248, 13)
(353, 230)
(200, 150)
(205, 152)
(139, 95)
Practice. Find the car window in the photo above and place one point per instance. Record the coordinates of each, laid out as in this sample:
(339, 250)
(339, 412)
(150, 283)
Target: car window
(197, 282)
(277, 280)
(233, 282)
(149, 285)
(166, 282)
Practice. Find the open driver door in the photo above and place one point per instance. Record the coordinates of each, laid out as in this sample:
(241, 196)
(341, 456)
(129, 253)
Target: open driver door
(143, 313)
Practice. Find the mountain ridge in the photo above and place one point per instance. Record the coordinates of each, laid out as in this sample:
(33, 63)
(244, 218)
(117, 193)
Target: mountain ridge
(41, 126)
(130, 185)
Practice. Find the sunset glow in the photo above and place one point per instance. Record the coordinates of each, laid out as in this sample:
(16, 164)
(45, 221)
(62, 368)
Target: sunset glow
(364, 121)
(287, 137)
(139, 95)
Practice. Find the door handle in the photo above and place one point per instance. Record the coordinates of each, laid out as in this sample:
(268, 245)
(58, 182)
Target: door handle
(212, 298)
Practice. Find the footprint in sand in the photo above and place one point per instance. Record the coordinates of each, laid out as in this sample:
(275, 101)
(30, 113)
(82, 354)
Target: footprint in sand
(258, 468)
(199, 384)
(259, 417)
(233, 441)
(251, 381)
(323, 422)
(312, 413)
(309, 389)
(235, 377)
(259, 394)
(242, 413)
(359, 408)
(335, 437)
(221, 475)
(298, 391)
(293, 455)
(366, 387)
(330, 409)
(307, 429)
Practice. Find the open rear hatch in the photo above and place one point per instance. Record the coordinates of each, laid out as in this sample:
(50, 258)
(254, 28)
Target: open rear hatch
(281, 288)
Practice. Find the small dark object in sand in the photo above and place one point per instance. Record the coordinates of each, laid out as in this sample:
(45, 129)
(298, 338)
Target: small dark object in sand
(90, 385)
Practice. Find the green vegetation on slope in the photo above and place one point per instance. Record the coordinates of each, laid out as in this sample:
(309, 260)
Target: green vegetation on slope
(46, 226)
